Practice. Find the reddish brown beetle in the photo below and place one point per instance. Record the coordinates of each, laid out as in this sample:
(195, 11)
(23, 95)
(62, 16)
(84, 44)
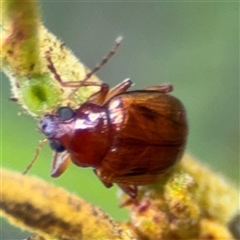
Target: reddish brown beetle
(129, 138)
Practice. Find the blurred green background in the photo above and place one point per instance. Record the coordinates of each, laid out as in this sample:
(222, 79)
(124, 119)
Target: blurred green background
(192, 45)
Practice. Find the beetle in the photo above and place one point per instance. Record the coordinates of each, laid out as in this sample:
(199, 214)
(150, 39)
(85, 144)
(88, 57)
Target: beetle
(127, 137)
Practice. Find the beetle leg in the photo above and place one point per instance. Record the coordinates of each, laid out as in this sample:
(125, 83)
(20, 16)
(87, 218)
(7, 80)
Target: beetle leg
(103, 62)
(164, 88)
(100, 96)
(83, 82)
(130, 190)
(71, 84)
(105, 183)
(60, 163)
(104, 94)
(52, 69)
(130, 201)
(120, 88)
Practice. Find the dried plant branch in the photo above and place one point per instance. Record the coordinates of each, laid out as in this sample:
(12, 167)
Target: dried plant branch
(52, 212)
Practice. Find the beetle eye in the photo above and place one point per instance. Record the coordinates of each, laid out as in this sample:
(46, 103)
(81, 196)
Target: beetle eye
(65, 113)
(57, 146)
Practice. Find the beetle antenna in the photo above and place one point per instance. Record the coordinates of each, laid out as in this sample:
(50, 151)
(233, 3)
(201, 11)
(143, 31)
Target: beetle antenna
(100, 65)
(39, 147)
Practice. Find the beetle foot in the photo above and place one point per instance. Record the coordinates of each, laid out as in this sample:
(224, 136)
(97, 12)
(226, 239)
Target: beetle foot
(128, 202)
(105, 183)
(130, 190)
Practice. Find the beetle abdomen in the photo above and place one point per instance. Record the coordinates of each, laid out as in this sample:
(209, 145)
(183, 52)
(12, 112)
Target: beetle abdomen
(150, 132)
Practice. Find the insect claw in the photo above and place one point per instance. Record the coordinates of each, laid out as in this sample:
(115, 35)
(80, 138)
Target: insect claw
(130, 190)
(129, 202)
